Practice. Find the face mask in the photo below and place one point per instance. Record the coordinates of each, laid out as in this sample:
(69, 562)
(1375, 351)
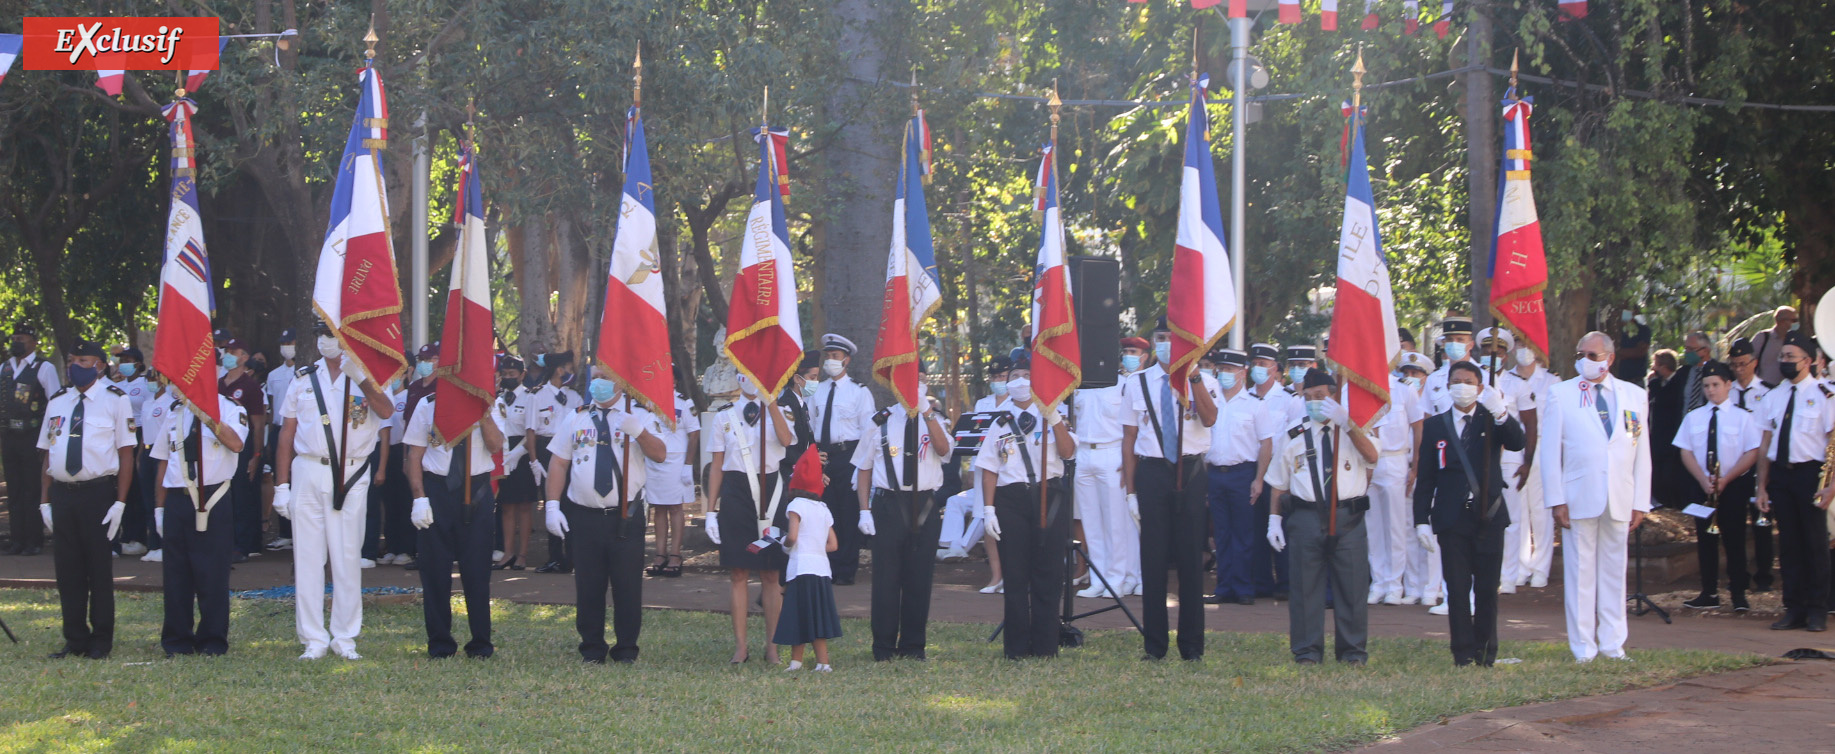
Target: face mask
(1494, 363)
(229, 361)
(998, 388)
(82, 376)
(1258, 375)
(809, 389)
(507, 383)
(1414, 382)
(423, 369)
(1162, 350)
(833, 367)
(1455, 351)
(1316, 411)
(329, 348)
(1691, 358)
(127, 369)
(603, 390)
(1525, 357)
(18, 350)
(1020, 394)
(1625, 316)
(1789, 369)
(541, 359)
(1227, 380)
(1296, 375)
(746, 388)
(287, 352)
(1463, 395)
(395, 385)
(1130, 362)
(1590, 369)
(567, 378)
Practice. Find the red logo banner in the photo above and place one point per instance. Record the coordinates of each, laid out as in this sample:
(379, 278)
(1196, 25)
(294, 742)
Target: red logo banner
(131, 44)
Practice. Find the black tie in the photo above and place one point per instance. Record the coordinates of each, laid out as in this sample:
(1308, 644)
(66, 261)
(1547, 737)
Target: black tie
(1605, 413)
(73, 450)
(194, 454)
(1790, 409)
(459, 465)
(911, 451)
(1742, 397)
(828, 413)
(1714, 442)
(605, 464)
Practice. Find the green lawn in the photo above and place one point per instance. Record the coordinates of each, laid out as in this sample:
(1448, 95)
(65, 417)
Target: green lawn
(1245, 696)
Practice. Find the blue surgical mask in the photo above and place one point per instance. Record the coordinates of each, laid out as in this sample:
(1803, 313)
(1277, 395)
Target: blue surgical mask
(541, 360)
(603, 390)
(809, 388)
(998, 387)
(1162, 350)
(1455, 350)
(229, 361)
(395, 385)
(1130, 362)
(1258, 375)
(1494, 363)
(1315, 410)
(423, 369)
(127, 369)
(1226, 379)
(1296, 375)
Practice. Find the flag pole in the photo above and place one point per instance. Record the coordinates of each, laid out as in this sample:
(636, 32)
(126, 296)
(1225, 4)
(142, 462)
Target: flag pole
(1045, 442)
(624, 457)
(1357, 91)
(1484, 474)
(764, 134)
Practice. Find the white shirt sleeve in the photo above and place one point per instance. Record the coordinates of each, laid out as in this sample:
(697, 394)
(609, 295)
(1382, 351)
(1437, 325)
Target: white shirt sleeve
(47, 377)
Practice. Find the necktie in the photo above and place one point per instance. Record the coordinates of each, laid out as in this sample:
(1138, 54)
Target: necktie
(1742, 396)
(1605, 412)
(458, 465)
(1714, 442)
(605, 466)
(73, 450)
(1465, 424)
(194, 454)
(1331, 464)
(909, 477)
(1790, 409)
(1695, 397)
(828, 415)
(1169, 414)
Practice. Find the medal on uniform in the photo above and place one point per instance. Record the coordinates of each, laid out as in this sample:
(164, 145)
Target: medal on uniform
(356, 410)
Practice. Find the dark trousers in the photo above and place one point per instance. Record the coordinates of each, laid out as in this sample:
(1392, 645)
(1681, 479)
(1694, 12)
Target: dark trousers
(462, 536)
(1762, 545)
(372, 514)
(1173, 524)
(904, 563)
(1472, 563)
(558, 547)
(146, 467)
(398, 497)
(135, 520)
(608, 550)
(245, 497)
(1267, 567)
(1731, 519)
(1803, 541)
(1233, 533)
(844, 503)
(1032, 558)
(85, 564)
(196, 568)
(20, 462)
(1317, 565)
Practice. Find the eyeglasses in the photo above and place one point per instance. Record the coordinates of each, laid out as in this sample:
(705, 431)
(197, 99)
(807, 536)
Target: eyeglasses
(1589, 355)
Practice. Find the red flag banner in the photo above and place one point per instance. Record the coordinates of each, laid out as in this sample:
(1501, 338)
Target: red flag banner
(467, 374)
(1519, 267)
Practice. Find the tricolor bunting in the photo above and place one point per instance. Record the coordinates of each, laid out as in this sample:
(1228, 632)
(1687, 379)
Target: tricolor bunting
(1519, 267)
(1364, 343)
(195, 78)
(1201, 305)
(10, 45)
(466, 379)
(913, 289)
(764, 332)
(1057, 358)
(634, 324)
(183, 352)
(356, 291)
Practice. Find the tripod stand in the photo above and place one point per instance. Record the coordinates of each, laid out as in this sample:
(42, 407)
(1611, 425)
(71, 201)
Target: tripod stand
(1068, 634)
(1638, 598)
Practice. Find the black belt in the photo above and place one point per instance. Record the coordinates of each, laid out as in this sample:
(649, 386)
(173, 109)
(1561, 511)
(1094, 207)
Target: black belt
(845, 447)
(1231, 466)
(586, 509)
(1799, 465)
(1359, 503)
(96, 482)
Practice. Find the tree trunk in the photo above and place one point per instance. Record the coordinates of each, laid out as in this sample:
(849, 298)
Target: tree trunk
(861, 167)
(537, 327)
(1481, 161)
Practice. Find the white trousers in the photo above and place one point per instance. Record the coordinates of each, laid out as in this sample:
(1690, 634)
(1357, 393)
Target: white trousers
(1422, 577)
(1593, 569)
(1538, 553)
(963, 520)
(322, 535)
(1518, 530)
(1387, 524)
(1111, 534)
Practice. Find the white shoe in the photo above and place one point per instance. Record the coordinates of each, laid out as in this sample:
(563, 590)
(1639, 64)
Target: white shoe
(1373, 598)
(820, 668)
(314, 652)
(1094, 591)
(1620, 658)
(1440, 609)
(1539, 582)
(496, 556)
(348, 653)
(1410, 599)
(154, 556)
(794, 666)
(1135, 588)
(1506, 589)
(1522, 581)
(366, 563)
(388, 558)
(1393, 598)
(133, 548)
(958, 553)
(284, 543)
(998, 587)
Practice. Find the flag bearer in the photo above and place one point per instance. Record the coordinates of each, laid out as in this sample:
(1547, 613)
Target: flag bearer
(455, 524)
(194, 465)
(901, 467)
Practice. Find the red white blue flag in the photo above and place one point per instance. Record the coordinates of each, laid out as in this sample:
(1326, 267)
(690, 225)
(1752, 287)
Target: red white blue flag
(913, 289)
(764, 333)
(1364, 344)
(1057, 356)
(1201, 306)
(10, 45)
(634, 325)
(467, 374)
(356, 291)
(195, 79)
(1519, 267)
(183, 352)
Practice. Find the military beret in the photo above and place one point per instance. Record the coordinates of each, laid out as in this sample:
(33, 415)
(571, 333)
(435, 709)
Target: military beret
(1316, 377)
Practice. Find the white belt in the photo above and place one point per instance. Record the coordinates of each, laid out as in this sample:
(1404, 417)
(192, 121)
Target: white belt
(323, 461)
(1388, 453)
(1100, 445)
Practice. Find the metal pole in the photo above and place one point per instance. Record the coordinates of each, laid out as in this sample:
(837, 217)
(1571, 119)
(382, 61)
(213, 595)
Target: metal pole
(1239, 62)
(417, 276)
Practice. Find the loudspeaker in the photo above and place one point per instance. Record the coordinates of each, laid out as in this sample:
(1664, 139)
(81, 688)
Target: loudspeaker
(1095, 285)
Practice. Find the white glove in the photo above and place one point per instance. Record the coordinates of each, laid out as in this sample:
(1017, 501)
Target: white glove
(1277, 538)
(1493, 401)
(514, 457)
(1053, 418)
(866, 523)
(112, 519)
(540, 472)
(632, 426)
(283, 498)
(422, 516)
(712, 524)
(557, 523)
(1338, 413)
(993, 521)
(1134, 508)
(159, 521)
(1425, 533)
(688, 477)
(44, 512)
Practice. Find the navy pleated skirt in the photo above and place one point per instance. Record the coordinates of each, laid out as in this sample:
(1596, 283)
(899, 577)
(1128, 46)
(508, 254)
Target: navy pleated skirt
(809, 611)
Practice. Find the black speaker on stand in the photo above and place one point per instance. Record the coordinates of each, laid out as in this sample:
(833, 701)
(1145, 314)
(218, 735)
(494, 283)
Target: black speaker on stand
(1095, 285)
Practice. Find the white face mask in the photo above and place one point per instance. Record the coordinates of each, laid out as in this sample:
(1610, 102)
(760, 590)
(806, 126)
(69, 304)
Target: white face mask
(833, 367)
(1463, 395)
(1525, 357)
(287, 352)
(329, 348)
(1590, 369)
(1019, 391)
(746, 387)
(1411, 381)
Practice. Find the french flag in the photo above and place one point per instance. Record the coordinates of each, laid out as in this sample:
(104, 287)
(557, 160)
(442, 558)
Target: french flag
(1057, 356)
(764, 333)
(1328, 15)
(1411, 17)
(1572, 10)
(1519, 265)
(183, 352)
(10, 45)
(195, 79)
(1370, 19)
(634, 325)
(1363, 340)
(1201, 306)
(1444, 25)
(1290, 11)
(355, 291)
(467, 375)
(913, 289)
(110, 81)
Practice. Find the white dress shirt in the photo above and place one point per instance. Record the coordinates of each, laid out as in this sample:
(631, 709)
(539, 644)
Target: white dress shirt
(152, 416)
(1275, 405)
(354, 428)
(990, 403)
(577, 440)
(280, 379)
(108, 426)
(1749, 397)
(732, 435)
(870, 453)
(33, 364)
(548, 406)
(1000, 452)
(853, 407)
(1196, 438)
(1236, 437)
(218, 460)
(1289, 470)
(1737, 432)
(1395, 435)
(438, 458)
(138, 391)
(1810, 423)
(397, 425)
(1098, 414)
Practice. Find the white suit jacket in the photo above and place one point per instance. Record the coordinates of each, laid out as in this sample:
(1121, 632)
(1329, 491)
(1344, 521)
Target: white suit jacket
(1583, 469)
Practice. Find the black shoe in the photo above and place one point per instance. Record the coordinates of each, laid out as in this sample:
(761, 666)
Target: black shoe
(1245, 600)
(238, 558)
(33, 550)
(552, 566)
(96, 654)
(1739, 603)
(1788, 623)
(1703, 602)
(1216, 599)
(1761, 586)
(849, 581)
(1817, 625)
(1306, 661)
(13, 548)
(61, 654)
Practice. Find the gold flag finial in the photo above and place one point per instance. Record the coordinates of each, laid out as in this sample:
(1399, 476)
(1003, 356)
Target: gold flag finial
(1054, 103)
(370, 39)
(1513, 69)
(764, 110)
(637, 78)
(914, 90)
(1357, 81)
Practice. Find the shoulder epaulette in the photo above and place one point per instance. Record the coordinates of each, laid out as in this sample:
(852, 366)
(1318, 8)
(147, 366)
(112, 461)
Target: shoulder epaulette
(61, 391)
(883, 415)
(1827, 392)
(118, 391)
(580, 410)
(560, 396)
(306, 370)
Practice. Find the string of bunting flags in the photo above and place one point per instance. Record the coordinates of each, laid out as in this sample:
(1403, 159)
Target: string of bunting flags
(110, 80)
(1289, 12)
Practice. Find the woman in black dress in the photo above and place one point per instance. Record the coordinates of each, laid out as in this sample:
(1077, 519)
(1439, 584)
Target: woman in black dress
(734, 441)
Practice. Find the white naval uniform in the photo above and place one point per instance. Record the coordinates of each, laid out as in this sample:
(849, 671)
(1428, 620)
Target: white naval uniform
(671, 480)
(1111, 533)
(1529, 541)
(438, 457)
(1000, 454)
(1601, 480)
(1389, 522)
(513, 416)
(322, 534)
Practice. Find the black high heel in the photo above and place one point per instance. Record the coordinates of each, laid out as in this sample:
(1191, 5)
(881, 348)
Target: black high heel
(672, 571)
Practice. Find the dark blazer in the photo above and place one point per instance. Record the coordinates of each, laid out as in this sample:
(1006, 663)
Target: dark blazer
(799, 425)
(1441, 489)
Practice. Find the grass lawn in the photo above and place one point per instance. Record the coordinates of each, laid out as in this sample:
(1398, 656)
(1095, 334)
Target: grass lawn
(682, 695)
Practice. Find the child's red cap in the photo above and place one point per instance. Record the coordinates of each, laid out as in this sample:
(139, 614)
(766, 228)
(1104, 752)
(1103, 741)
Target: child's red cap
(807, 475)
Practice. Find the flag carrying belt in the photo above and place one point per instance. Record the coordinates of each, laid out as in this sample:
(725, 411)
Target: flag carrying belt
(339, 487)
